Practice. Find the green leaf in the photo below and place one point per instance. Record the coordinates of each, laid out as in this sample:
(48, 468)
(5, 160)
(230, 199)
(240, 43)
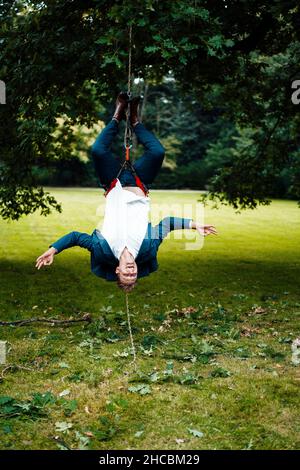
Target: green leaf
(7, 429)
(43, 399)
(195, 432)
(216, 41)
(229, 43)
(4, 400)
(83, 440)
(104, 40)
(63, 365)
(141, 22)
(150, 49)
(142, 389)
(220, 372)
(70, 407)
(154, 377)
(170, 368)
(62, 426)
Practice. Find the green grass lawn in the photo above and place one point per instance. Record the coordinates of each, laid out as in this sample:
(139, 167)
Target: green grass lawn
(213, 330)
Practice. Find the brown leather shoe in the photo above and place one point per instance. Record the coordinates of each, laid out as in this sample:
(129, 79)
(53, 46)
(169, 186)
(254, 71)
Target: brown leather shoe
(134, 108)
(121, 106)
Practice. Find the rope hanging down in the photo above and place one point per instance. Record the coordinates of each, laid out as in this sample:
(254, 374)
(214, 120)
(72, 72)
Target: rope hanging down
(130, 332)
(129, 60)
(128, 145)
(128, 129)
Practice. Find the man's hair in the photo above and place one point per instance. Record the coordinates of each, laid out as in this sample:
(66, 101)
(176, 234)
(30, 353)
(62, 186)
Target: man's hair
(126, 287)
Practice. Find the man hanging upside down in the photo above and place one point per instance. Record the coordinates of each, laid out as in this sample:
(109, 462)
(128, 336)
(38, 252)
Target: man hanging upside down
(126, 248)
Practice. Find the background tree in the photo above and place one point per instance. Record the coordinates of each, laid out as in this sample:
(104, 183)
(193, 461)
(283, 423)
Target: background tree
(66, 59)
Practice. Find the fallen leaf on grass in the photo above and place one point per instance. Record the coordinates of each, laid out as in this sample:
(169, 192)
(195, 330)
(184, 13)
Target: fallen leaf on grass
(83, 440)
(220, 372)
(142, 389)
(179, 441)
(165, 324)
(62, 426)
(64, 392)
(187, 311)
(258, 310)
(27, 443)
(296, 352)
(64, 365)
(248, 331)
(195, 432)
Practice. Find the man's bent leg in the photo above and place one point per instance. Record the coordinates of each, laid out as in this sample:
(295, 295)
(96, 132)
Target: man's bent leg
(149, 164)
(106, 165)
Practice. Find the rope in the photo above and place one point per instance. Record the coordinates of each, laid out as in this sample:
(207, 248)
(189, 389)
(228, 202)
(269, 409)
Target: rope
(129, 60)
(130, 332)
(128, 129)
(128, 144)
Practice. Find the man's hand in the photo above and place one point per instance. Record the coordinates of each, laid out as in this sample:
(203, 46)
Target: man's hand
(46, 258)
(204, 229)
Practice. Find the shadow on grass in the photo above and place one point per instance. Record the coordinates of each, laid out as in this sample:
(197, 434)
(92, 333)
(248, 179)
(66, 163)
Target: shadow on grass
(69, 285)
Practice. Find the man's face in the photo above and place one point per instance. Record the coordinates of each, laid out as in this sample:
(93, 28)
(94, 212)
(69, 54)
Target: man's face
(127, 272)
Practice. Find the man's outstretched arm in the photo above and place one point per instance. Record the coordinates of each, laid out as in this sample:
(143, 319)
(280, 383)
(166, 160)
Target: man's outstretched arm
(84, 240)
(203, 229)
(168, 224)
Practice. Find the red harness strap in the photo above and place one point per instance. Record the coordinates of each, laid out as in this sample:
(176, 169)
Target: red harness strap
(127, 164)
(111, 186)
(138, 183)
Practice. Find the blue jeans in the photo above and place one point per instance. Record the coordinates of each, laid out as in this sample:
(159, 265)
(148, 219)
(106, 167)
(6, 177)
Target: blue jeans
(146, 167)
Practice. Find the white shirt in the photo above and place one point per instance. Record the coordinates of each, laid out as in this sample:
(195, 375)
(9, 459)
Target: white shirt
(125, 220)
